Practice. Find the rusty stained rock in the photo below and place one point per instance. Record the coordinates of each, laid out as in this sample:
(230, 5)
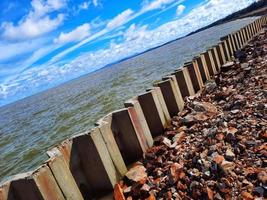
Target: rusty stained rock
(216, 147)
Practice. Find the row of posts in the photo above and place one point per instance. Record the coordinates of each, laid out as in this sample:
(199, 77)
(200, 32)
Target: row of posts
(88, 165)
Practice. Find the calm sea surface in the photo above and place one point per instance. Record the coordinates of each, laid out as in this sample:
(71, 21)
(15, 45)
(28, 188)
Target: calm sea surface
(33, 125)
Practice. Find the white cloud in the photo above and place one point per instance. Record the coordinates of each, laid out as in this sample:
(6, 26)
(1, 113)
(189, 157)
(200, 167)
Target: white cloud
(77, 34)
(96, 3)
(120, 19)
(37, 22)
(31, 28)
(42, 7)
(180, 9)
(85, 5)
(135, 33)
(155, 4)
(11, 50)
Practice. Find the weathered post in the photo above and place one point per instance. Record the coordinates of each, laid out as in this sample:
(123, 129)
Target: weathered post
(184, 82)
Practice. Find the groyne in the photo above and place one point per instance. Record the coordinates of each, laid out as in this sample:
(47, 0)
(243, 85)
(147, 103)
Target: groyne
(88, 165)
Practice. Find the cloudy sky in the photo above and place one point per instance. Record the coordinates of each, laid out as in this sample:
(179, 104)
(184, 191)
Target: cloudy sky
(44, 43)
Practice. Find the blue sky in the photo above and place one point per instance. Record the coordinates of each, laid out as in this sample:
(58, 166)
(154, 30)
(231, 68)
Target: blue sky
(44, 43)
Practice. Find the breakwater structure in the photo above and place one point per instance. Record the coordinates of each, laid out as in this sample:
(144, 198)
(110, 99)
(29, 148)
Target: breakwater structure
(88, 165)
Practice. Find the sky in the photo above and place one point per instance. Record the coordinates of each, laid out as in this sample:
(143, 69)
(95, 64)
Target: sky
(44, 43)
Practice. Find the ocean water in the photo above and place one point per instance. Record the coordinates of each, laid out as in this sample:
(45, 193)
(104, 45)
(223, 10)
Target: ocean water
(33, 125)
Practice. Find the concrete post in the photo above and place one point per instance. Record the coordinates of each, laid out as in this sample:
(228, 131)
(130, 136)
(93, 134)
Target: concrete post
(37, 185)
(230, 46)
(89, 162)
(226, 51)
(216, 59)
(209, 63)
(242, 37)
(233, 42)
(184, 82)
(176, 87)
(63, 176)
(133, 103)
(153, 112)
(212, 61)
(250, 30)
(258, 26)
(105, 128)
(205, 65)
(195, 75)
(162, 102)
(222, 52)
(239, 39)
(171, 94)
(202, 68)
(254, 28)
(127, 132)
(247, 33)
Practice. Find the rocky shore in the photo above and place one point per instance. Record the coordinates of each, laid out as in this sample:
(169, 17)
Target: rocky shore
(216, 148)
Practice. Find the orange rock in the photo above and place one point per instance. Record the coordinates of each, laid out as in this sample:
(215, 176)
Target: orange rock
(151, 197)
(232, 130)
(176, 169)
(247, 196)
(265, 135)
(218, 159)
(118, 193)
(137, 174)
(179, 137)
(210, 194)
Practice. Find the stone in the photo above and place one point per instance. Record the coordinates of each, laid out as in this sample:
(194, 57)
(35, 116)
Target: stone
(240, 55)
(210, 87)
(176, 170)
(218, 159)
(137, 173)
(227, 166)
(151, 197)
(229, 155)
(247, 196)
(259, 191)
(118, 193)
(194, 118)
(210, 194)
(227, 66)
(167, 142)
(178, 138)
(205, 107)
(262, 177)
